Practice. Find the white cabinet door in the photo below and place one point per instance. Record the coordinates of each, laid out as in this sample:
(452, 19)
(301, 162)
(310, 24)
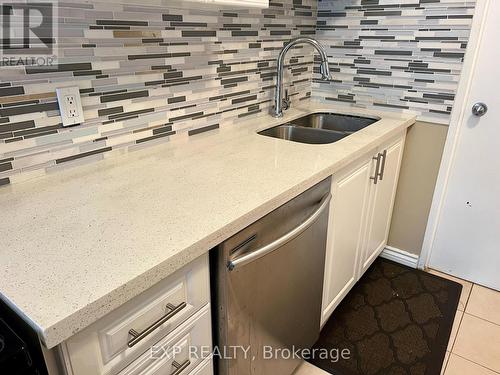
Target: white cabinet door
(360, 216)
(382, 201)
(350, 191)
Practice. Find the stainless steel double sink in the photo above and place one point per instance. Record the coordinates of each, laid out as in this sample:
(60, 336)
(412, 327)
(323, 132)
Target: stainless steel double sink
(319, 128)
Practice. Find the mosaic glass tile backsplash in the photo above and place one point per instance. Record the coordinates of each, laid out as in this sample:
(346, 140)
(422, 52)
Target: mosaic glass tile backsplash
(153, 73)
(403, 55)
(148, 73)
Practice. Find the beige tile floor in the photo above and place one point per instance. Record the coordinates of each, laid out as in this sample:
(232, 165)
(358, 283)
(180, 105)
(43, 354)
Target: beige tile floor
(474, 346)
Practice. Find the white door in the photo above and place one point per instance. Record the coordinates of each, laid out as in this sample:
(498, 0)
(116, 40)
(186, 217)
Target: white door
(467, 236)
(382, 204)
(350, 190)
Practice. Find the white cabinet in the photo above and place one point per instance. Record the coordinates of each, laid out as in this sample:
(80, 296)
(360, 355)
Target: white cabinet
(382, 201)
(360, 215)
(350, 192)
(173, 313)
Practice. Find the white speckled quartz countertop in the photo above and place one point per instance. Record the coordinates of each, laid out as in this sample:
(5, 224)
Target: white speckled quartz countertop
(79, 243)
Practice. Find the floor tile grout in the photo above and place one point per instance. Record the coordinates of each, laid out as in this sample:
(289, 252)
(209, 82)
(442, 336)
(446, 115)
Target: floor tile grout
(458, 331)
(468, 296)
(478, 317)
(467, 359)
(447, 361)
(455, 339)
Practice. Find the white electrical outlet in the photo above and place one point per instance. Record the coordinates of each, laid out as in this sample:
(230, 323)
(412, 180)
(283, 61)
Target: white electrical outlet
(70, 105)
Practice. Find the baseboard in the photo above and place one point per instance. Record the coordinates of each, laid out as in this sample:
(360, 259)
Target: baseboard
(400, 256)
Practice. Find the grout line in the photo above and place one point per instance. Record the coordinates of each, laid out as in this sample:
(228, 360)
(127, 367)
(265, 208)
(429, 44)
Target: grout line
(456, 279)
(467, 303)
(458, 330)
(480, 365)
(468, 296)
(484, 320)
(443, 371)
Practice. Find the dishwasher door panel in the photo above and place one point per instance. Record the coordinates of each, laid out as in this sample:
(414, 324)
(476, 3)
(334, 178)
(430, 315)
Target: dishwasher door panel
(273, 302)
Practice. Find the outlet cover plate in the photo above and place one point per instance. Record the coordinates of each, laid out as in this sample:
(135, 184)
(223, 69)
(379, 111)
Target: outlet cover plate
(70, 105)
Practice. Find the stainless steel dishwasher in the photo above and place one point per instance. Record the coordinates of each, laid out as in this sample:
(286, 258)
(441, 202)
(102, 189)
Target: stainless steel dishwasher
(268, 283)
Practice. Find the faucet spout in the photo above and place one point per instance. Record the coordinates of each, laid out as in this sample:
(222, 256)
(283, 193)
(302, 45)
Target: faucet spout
(324, 69)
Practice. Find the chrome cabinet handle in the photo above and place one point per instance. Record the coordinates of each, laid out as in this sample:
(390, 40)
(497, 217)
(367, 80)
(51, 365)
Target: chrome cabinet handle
(479, 109)
(180, 367)
(264, 250)
(382, 167)
(138, 336)
(377, 167)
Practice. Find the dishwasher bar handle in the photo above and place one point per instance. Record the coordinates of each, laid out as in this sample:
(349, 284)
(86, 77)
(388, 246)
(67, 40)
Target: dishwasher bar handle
(264, 250)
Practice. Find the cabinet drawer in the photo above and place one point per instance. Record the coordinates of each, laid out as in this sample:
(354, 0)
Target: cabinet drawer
(205, 368)
(107, 346)
(175, 354)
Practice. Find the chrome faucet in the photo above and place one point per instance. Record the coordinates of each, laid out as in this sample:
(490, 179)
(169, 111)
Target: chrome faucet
(282, 103)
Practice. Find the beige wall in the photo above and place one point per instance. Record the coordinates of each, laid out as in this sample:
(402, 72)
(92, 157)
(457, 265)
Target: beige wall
(421, 160)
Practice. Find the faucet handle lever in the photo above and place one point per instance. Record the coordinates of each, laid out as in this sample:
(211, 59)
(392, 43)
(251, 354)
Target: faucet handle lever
(286, 100)
(323, 69)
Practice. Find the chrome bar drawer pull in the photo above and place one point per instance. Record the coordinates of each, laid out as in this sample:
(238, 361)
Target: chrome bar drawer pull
(382, 168)
(179, 368)
(138, 336)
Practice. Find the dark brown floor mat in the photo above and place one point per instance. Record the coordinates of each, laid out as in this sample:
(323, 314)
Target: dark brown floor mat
(395, 321)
